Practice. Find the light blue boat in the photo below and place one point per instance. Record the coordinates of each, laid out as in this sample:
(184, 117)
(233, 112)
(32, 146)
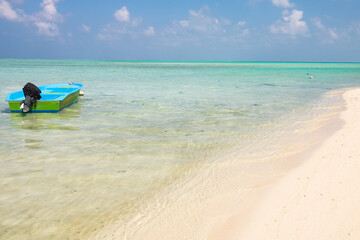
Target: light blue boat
(54, 97)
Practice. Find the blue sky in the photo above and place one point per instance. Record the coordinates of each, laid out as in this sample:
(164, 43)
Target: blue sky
(212, 30)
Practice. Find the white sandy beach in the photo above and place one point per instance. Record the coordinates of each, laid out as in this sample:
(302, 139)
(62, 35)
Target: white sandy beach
(318, 200)
(316, 196)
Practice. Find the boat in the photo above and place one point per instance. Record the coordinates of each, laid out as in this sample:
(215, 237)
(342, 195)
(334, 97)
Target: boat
(54, 97)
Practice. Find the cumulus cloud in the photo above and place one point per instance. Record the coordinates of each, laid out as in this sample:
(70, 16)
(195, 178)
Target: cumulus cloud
(85, 28)
(333, 34)
(201, 21)
(45, 21)
(49, 11)
(124, 25)
(199, 24)
(122, 15)
(241, 23)
(47, 28)
(283, 3)
(240, 30)
(112, 31)
(318, 24)
(201, 27)
(198, 27)
(7, 11)
(291, 24)
(150, 31)
(136, 21)
(327, 34)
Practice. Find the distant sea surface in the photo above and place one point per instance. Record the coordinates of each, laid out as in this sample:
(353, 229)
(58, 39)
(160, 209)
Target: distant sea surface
(140, 127)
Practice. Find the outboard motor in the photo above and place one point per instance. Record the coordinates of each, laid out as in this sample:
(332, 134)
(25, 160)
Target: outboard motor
(32, 94)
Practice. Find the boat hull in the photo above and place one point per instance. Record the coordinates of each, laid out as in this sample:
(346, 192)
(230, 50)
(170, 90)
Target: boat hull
(47, 106)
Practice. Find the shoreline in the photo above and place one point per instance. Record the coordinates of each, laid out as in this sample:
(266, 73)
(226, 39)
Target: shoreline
(235, 202)
(317, 200)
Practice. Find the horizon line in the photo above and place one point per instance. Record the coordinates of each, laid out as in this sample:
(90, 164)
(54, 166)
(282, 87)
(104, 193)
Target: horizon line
(181, 61)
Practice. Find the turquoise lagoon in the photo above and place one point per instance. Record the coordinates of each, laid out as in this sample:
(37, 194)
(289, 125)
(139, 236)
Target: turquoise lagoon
(140, 127)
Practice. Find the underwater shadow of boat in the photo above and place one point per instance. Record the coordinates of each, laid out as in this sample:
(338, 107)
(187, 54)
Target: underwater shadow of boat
(39, 121)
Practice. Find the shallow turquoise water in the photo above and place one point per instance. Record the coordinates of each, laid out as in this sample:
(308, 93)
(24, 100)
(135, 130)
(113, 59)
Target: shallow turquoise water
(139, 127)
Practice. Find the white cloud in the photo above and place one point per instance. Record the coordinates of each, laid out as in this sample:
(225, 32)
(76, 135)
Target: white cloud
(136, 21)
(49, 11)
(150, 31)
(7, 12)
(327, 34)
(85, 28)
(122, 15)
(48, 29)
(291, 24)
(199, 21)
(318, 24)
(45, 21)
(333, 34)
(283, 3)
(240, 31)
(241, 23)
(184, 23)
(123, 26)
(201, 28)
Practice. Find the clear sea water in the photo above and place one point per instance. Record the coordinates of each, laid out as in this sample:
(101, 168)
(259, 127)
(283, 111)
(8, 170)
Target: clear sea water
(140, 127)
